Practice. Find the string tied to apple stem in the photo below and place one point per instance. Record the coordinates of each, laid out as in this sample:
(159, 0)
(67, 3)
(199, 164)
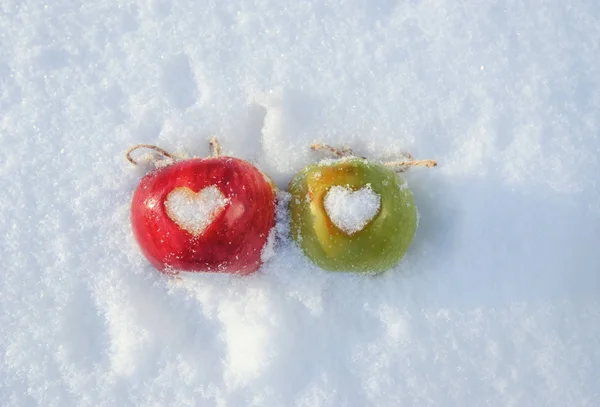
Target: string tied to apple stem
(167, 158)
(337, 151)
(150, 157)
(398, 166)
(403, 165)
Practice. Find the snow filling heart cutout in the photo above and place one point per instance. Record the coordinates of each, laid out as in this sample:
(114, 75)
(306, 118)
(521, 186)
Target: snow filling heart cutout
(351, 210)
(195, 211)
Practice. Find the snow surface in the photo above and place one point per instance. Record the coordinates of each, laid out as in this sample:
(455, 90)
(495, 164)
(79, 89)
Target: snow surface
(497, 301)
(351, 210)
(195, 211)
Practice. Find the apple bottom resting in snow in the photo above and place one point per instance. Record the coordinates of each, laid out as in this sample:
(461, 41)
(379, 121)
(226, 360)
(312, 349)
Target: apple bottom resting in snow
(204, 214)
(352, 215)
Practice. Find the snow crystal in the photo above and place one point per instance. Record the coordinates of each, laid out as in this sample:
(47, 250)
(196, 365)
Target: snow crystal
(351, 210)
(402, 184)
(192, 211)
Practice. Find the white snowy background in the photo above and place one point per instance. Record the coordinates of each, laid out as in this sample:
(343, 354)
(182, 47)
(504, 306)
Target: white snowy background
(497, 302)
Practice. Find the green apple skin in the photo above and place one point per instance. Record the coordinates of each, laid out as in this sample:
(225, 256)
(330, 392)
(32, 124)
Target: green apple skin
(377, 247)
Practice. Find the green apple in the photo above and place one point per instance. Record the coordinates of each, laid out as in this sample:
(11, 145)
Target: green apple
(351, 214)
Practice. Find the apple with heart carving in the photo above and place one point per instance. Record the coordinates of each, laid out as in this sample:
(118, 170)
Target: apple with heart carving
(211, 214)
(352, 214)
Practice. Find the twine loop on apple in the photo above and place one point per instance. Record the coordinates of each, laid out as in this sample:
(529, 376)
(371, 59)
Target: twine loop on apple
(168, 158)
(398, 166)
(337, 151)
(151, 158)
(409, 161)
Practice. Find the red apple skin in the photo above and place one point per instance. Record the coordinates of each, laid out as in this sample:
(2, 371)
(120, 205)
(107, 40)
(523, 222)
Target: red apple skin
(232, 243)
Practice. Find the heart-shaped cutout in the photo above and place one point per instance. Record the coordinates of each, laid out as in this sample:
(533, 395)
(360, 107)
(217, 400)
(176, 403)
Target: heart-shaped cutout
(192, 211)
(351, 210)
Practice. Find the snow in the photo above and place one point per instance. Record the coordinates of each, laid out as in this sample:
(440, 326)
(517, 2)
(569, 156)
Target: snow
(496, 302)
(349, 210)
(280, 233)
(268, 250)
(195, 211)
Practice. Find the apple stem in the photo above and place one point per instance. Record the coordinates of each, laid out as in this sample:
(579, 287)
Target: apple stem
(150, 158)
(215, 146)
(340, 152)
(402, 166)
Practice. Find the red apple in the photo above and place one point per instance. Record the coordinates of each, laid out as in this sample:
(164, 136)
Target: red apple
(204, 214)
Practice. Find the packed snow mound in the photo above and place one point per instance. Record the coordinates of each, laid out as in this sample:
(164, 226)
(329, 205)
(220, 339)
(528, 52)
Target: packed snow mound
(351, 210)
(195, 211)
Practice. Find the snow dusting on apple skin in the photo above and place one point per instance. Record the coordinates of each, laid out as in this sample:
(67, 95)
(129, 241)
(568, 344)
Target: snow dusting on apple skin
(328, 162)
(192, 211)
(351, 210)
